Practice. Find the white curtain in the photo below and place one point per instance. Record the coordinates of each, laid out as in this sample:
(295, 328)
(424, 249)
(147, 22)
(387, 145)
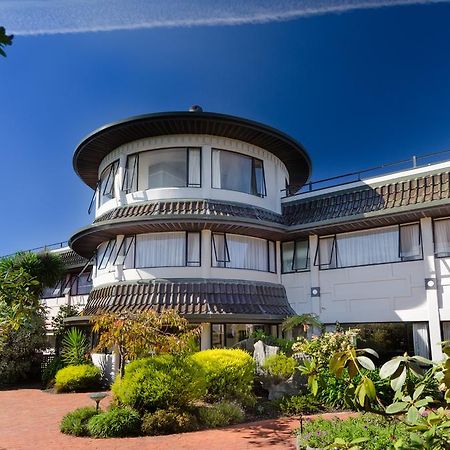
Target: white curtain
(327, 253)
(128, 251)
(166, 168)
(160, 250)
(247, 252)
(442, 237)
(301, 255)
(420, 338)
(272, 257)
(410, 240)
(194, 176)
(216, 182)
(367, 247)
(193, 249)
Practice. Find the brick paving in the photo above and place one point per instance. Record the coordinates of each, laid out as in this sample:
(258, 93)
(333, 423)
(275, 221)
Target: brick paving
(29, 419)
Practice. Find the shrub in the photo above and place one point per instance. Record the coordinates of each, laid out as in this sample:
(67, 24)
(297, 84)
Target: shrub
(220, 414)
(49, 372)
(75, 422)
(299, 404)
(168, 421)
(380, 433)
(280, 367)
(75, 347)
(229, 374)
(160, 382)
(117, 422)
(78, 378)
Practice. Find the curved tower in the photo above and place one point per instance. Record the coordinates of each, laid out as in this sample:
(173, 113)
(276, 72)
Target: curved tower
(188, 216)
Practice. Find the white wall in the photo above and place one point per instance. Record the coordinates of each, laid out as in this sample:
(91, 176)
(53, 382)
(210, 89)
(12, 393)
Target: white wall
(275, 172)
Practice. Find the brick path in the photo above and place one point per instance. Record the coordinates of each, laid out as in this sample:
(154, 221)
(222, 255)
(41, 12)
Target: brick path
(29, 419)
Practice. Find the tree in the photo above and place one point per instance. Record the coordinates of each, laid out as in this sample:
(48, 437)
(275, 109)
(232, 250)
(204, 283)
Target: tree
(303, 321)
(4, 40)
(58, 325)
(140, 334)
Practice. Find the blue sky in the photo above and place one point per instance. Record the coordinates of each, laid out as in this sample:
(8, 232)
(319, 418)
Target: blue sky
(357, 86)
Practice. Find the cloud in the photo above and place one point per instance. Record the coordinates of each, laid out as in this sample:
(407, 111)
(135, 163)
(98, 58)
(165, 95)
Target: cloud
(33, 17)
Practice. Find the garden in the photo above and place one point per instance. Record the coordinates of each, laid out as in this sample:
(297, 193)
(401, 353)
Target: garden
(165, 385)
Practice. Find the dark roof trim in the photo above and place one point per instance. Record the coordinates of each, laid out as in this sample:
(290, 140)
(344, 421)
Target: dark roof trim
(93, 148)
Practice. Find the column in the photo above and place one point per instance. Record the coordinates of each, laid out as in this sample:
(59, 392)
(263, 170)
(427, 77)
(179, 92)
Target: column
(205, 339)
(431, 288)
(314, 276)
(118, 181)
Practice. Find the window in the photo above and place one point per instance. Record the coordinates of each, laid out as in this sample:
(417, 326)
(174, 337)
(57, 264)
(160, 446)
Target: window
(169, 167)
(168, 249)
(82, 285)
(243, 252)
(295, 256)
(130, 177)
(54, 291)
(376, 246)
(442, 238)
(106, 254)
(106, 186)
(237, 172)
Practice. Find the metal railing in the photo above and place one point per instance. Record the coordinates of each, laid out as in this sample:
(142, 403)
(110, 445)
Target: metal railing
(383, 169)
(44, 248)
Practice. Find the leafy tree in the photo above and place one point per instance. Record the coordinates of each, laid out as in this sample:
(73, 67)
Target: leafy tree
(4, 40)
(136, 335)
(58, 325)
(303, 321)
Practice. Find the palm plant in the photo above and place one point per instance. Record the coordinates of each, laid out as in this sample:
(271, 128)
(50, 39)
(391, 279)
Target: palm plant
(75, 347)
(303, 321)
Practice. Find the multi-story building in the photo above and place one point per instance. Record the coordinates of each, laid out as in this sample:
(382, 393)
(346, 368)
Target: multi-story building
(209, 214)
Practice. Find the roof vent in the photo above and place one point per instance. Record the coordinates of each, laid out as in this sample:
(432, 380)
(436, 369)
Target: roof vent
(195, 108)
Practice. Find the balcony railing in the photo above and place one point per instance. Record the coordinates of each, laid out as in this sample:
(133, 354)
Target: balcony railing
(383, 169)
(44, 248)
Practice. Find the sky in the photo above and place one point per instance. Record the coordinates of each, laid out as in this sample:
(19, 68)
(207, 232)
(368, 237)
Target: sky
(359, 83)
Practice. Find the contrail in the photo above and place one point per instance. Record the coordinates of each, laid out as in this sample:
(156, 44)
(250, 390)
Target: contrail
(34, 17)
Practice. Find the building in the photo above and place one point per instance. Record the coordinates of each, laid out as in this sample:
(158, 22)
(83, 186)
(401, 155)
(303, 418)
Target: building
(213, 215)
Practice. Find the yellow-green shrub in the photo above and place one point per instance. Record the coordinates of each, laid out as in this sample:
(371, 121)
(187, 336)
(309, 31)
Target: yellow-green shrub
(79, 378)
(229, 374)
(279, 367)
(160, 382)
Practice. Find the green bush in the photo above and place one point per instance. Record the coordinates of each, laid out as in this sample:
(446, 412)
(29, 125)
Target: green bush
(168, 421)
(299, 404)
(220, 414)
(229, 374)
(280, 367)
(75, 347)
(80, 378)
(160, 382)
(117, 422)
(75, 422)
(50, 371)
(380, 433)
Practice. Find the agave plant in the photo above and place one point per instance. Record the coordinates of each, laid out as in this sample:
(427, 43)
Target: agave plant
(75, 347)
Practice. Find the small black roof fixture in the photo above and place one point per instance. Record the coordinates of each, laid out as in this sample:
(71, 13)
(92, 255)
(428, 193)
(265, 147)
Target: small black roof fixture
(92, 149)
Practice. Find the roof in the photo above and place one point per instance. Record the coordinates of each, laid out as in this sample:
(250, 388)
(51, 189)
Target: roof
(93, 148)
(220, 300)
(72, 260)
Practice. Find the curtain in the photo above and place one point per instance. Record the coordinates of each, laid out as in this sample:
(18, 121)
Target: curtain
(161, 249)
(410, 241)
(193, 249)
(420, 338)
(128, 251)
(247, 252)
(194, 175)
(301, 255)
(167, 168)
(216, 169)
(106, 253)
(106, 187)
(327, 255)
(367, 247)
(272, 257)
(442, 237)
(446, 331)
(220, 255)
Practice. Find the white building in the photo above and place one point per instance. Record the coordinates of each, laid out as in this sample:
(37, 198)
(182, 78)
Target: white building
(192, 213)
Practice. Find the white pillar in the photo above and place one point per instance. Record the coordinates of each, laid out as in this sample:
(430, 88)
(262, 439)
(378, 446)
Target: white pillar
(118, 273)
(206, 254)
(205, 339)
(316, 305)
(118, 181)
(431, 295)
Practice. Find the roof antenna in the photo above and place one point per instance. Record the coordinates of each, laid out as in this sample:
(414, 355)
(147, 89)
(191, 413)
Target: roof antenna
(195, 108)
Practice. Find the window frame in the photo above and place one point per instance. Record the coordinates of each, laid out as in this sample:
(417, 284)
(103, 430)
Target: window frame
(435, 253)
(228, 258)
(113, 168)
(293, 269)
(252, 175)
(335, 248)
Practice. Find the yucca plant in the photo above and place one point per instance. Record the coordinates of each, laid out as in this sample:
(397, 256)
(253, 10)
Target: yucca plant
(75, 347)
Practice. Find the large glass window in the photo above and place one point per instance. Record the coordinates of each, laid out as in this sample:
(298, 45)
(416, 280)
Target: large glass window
(243, 252)
(168, 167)
(442, 237)
(376, 246)
(295, 255)
(230, 334)
(82, 285)
(106, 188)
(168, 249)
(237, 172)
(54, 291)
